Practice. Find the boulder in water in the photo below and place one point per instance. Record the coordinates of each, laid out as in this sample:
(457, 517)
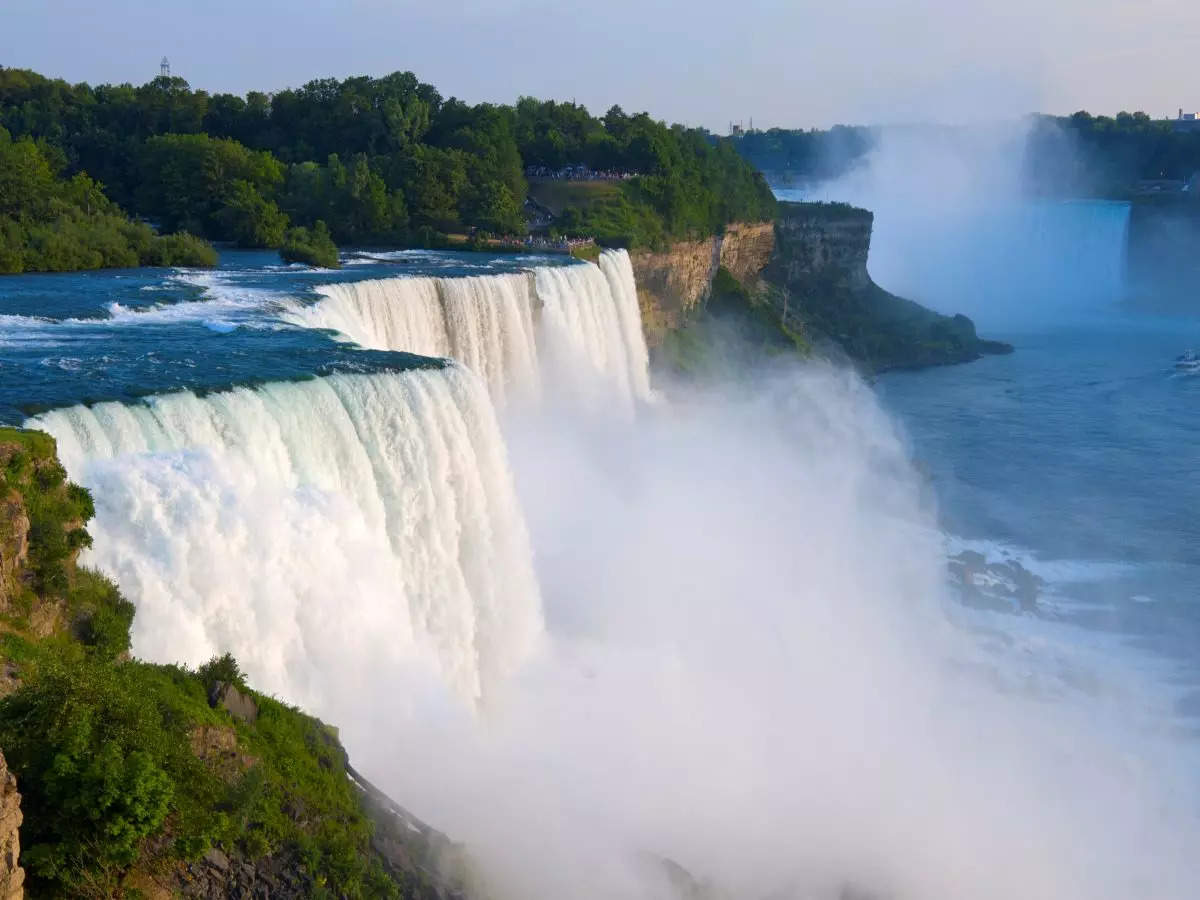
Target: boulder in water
(994, 585)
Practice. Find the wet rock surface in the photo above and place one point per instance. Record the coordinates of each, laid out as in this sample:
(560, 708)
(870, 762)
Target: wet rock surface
(1004, 585)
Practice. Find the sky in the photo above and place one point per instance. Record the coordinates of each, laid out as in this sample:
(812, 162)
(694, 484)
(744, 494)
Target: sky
(803, 63)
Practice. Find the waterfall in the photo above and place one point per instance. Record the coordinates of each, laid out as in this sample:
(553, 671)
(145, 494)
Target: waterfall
(483, 321)
(592, 326)
(1005, 262)
(490, 323)
(582, 320)
(364, 521)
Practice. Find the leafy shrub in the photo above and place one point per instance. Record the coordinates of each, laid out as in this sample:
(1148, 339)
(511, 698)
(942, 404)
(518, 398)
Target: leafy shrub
(179, 249)
(105, 615)
(90, 748)
(222, 668)
(251, 220)
(311, 246)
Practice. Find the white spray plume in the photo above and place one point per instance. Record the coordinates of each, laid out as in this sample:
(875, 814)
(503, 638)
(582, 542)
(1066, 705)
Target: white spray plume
(752, 670)
(956, 227)
(743, 660)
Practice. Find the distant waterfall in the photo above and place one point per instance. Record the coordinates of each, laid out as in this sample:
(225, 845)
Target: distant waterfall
(347, 521)
(1005, 262)
(582, 320)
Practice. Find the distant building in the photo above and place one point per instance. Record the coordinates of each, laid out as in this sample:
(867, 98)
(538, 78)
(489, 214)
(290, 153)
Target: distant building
(1187, 121)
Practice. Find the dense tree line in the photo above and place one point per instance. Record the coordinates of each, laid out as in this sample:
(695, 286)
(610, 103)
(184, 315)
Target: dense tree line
(687, 182)
(379, 160)
(1067, 156)
(1084, 154)
(808, 154)
(52, 223)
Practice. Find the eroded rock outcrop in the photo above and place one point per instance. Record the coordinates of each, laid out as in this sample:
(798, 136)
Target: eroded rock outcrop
(822, 289)
(12, 876)
(14, 543)
(746, 248)
(672, 283)
(809, 268)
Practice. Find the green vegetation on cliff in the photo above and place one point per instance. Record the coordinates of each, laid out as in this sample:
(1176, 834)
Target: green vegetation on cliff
(132, 772)
(49, 222)
(811, 154)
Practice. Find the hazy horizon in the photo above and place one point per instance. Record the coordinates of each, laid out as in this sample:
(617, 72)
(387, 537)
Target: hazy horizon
(863, 62)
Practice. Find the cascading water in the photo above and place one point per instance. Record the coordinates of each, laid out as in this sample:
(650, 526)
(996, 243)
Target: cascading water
(588, 327)
(590, 314)
(352, 520)
(485, 322)
(490, 323)
(292, 522)
(382, 313)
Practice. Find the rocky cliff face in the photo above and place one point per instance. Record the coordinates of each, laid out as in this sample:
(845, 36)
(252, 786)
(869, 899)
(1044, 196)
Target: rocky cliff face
(12, 876)
(823, 243)
(809, 268)
(822, 288)
(746, 248)
(672, 283)
(14, 543)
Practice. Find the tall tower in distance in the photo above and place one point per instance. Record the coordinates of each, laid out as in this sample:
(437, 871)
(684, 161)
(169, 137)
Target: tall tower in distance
(164, 68)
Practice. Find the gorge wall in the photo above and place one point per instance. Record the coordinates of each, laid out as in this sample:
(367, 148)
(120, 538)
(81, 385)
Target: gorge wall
(810, 267)
(12, 876)
(674, 282)
(823, 288)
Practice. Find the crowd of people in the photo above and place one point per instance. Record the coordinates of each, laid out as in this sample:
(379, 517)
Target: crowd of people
(576, 173)
(547, 244)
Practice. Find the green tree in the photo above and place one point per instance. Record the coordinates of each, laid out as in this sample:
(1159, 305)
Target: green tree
(249, 219)
(311, 246)
(93, 782)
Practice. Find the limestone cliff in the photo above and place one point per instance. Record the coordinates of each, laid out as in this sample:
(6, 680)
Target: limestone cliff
(12, 876)
(823, 289)
(746, 248)
(14, 542)
(822, 243)
(672, 283)
(809, 268)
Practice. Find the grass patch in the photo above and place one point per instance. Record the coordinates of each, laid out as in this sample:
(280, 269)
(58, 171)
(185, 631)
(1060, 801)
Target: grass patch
(587, 252)
(557, 194)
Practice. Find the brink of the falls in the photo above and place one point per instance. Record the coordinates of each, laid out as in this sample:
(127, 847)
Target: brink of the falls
(577, 325)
